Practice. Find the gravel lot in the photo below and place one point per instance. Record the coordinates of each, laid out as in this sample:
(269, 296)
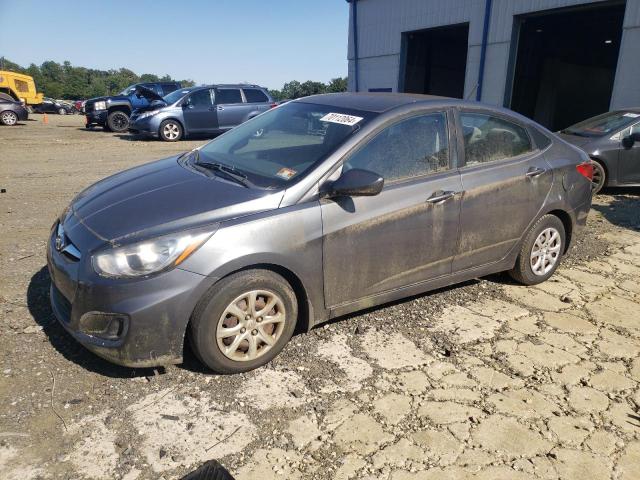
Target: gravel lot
(485, 380)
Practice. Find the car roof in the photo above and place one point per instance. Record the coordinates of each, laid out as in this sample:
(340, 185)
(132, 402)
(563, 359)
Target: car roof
(374, 102)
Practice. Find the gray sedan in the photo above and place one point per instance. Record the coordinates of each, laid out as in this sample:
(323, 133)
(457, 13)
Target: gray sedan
(317, 208)
(612, 140)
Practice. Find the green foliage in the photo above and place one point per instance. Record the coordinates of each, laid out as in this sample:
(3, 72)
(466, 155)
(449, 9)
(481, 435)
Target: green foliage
(295, 89)
(66, 81)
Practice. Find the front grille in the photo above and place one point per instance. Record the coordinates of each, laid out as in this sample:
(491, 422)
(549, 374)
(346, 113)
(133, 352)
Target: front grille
(88, 107)
(61, 305)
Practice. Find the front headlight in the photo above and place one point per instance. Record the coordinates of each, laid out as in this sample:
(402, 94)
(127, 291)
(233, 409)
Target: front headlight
(148, 257)
(150, 113)
(100, 105)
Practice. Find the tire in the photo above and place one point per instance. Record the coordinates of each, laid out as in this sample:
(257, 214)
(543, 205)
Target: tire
(599, 177)
(232, 293)
(170, 131)
(8, 118)
(211, 470)
(62, 111)
(118, 121)
(539, 238)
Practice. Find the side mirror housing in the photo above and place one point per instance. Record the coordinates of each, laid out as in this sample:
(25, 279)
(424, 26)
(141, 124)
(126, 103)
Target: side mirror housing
(628, 142)
(356, 183)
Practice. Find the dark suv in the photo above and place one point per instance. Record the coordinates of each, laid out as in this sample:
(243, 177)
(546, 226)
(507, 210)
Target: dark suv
(112, 113)
(205, 110)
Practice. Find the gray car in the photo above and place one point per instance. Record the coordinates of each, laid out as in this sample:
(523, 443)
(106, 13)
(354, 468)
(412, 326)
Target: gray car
(11, 111)
(200, 111)
(318, 208)
(612, 140)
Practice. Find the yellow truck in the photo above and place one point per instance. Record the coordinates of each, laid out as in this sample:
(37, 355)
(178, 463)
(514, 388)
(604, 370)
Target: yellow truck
(20, 87)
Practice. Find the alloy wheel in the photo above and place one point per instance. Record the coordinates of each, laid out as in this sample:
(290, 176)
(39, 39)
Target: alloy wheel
(546, 251)
(597, 181)
(171, 131)
(251, 325)
(9, 118)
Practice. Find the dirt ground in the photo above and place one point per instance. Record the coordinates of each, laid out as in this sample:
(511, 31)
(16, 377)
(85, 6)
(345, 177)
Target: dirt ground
(485, 380)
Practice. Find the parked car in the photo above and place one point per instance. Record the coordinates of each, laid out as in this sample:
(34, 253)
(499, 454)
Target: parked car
(112, 113)
(49, 105)
(200, 110)
(11, 111)
(79, 105)
(237, 242)
(612, 140)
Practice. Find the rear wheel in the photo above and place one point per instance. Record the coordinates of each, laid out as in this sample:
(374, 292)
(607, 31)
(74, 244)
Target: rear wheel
(244, 321)
(118, 121)
(599, 177)
(8, 118)
(170, 131)
(541, 251)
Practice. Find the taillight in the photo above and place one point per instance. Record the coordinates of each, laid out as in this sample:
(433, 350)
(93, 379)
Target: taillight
(585, 169)
(273, 105)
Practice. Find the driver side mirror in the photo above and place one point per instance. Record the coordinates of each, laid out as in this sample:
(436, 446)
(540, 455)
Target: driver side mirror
(628, 142)
(187, 104)
(356, 183)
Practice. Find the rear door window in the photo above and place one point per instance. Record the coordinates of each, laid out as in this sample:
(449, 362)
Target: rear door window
(229, 95)
(254, 95)
(489, 138)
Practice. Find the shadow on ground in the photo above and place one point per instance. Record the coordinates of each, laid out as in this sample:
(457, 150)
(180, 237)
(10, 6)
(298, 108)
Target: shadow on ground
(40, 309)
(624, 209)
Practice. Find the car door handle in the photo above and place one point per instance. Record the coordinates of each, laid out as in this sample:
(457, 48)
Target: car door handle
(441, 197)
(534, 172)
(220, 108)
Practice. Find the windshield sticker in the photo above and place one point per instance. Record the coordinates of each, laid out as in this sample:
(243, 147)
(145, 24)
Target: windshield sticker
(631, 115)
(341, 118)
(286, 173)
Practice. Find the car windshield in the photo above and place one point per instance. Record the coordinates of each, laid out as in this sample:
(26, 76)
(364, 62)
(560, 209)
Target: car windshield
(174, 96)
(280, 146)
(603, 124)
(129, 90)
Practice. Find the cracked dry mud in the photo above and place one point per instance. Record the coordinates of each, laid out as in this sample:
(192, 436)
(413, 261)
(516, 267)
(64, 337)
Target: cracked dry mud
(486, 380)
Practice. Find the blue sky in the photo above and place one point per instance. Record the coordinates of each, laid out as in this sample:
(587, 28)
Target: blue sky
(267, 42)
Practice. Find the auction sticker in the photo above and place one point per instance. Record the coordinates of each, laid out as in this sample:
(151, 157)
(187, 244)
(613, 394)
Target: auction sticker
(286, 173)
(341, 118)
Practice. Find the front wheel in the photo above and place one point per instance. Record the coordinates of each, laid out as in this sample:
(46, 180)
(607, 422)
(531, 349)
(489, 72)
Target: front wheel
(170, 131)
(118, 121)
(62, 111)
(541, 251)
(9, 118)
(599, 177)
(244, 321)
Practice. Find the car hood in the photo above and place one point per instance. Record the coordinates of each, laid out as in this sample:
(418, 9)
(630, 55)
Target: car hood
(147, 93)
(163, 197)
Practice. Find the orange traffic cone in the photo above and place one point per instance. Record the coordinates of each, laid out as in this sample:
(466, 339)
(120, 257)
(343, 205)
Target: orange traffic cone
(45, 119)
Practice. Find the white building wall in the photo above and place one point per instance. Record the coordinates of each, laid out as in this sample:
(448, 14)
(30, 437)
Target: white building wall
(382, 22)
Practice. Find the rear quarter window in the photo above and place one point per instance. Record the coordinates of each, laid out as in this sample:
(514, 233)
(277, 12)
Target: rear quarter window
(541, 140)
(254, 95)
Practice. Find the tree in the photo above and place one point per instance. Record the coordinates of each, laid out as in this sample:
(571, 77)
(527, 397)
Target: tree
(66, 81)
(337, 85)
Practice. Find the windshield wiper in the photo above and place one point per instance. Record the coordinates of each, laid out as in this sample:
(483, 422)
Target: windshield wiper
(227, 170)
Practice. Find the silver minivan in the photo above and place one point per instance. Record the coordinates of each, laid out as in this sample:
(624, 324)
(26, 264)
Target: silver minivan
(206, 110)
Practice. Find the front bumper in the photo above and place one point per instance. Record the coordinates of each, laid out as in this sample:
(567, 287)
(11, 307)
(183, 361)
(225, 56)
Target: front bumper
(155, 310)
(98, 117)
(145, 126)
